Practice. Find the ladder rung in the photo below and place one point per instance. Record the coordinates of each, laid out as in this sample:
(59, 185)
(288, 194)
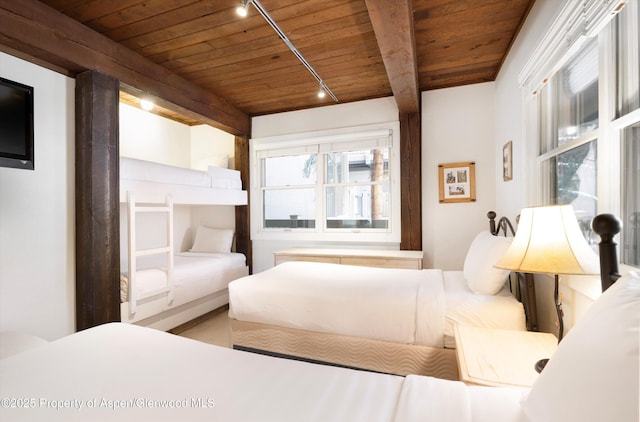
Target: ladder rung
(143, 252)
(153, 209)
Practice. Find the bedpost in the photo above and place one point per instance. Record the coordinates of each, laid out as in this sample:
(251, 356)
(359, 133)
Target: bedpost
(607, 226)
(492, 222)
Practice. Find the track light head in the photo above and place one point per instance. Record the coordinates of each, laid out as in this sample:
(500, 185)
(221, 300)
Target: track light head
(243, 8)
(321, 92)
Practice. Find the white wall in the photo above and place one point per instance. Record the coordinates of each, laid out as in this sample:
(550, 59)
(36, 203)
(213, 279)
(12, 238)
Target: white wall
(317, 119)
(457, 126)
(147, 136)
(37, 246)
(211, 146)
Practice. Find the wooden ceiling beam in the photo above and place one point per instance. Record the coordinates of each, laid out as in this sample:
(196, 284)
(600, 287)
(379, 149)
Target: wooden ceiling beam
(49, 36)
(393, 25)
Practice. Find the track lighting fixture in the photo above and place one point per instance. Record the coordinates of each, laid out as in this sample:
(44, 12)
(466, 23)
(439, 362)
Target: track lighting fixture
(242, 10)
(321, 93)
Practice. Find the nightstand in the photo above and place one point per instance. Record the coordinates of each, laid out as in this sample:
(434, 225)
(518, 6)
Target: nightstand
(502, 358)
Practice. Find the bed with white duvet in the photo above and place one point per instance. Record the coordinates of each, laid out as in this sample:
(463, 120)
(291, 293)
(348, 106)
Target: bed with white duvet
(397, 321)
(124, 372)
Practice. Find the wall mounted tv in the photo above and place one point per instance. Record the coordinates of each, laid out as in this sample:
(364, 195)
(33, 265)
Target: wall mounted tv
(16, 125)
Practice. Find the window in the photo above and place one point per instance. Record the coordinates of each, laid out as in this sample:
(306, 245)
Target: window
(586, 117)
(568, 144)
(289, 196)
(627, 59)
(631, 200)
(327, 186)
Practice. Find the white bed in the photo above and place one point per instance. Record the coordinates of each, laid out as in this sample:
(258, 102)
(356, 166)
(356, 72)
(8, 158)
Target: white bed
(396, 305)
(355, 316)
(124, 372)
(199, 280)
(170, 289)
(152, 182)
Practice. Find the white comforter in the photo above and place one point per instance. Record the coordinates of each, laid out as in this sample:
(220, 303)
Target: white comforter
(404, 306)
(195, 275)
(129, 373)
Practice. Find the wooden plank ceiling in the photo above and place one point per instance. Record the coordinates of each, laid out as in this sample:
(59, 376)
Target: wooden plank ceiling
(243, 61)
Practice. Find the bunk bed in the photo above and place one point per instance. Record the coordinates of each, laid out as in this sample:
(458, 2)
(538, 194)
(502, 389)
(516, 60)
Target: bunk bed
(120, 371)
(161, 288)
(398, 321)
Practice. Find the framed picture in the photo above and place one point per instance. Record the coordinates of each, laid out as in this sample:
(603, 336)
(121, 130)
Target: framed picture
(457, 182)
(507, 162)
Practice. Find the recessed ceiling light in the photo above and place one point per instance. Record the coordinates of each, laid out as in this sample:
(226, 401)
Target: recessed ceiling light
(146, 105)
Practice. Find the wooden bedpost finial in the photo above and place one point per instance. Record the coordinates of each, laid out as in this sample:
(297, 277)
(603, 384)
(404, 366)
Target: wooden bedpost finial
(607, 226)
(492, 222)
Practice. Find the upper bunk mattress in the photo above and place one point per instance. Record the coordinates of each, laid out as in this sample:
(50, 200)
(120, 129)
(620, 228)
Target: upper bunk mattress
(153, 182)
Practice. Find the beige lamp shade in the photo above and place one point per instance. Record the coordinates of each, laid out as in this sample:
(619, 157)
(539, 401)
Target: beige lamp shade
(549, 240)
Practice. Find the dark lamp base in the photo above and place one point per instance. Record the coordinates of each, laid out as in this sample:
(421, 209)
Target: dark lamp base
(541, 364)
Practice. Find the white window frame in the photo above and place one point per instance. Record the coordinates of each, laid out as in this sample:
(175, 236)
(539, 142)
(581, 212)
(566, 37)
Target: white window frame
(320, 141)
(577, 22)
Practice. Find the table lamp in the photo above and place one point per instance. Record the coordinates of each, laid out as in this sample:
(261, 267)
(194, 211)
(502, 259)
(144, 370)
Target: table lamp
(549, 240)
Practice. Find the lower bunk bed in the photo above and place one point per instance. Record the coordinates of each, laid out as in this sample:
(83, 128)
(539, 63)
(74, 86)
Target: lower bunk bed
(198, 284)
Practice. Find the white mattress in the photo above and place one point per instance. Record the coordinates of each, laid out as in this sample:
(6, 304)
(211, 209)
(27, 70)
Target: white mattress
(465, 307)
(125, 372)
(152, 182)
(399, 305)
(133, 169)
(195, 275)
(217, 177)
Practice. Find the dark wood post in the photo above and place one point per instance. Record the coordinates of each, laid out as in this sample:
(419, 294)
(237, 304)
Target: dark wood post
(411, 181)
(97, 200)
(607, 226)
(243, 227)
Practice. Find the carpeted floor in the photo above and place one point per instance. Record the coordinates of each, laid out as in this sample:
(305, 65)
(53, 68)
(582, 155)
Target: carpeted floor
(214, 330)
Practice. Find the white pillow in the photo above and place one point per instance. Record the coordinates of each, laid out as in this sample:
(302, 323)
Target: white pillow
(594, 373)
(212, 240)
(485, 250)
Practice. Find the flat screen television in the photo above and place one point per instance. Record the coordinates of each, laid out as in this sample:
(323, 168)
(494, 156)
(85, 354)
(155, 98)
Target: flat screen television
(16, 125)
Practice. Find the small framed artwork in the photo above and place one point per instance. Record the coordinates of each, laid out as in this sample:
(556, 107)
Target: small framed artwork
(457, 182)
(507, 161)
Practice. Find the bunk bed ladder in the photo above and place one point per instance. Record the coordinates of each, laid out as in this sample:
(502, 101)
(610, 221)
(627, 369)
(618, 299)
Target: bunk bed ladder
(133, 209)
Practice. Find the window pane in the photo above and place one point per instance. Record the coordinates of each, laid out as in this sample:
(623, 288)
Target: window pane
(631, 196)
(575, 176)
(290, 208)
(291, 170)
(358, 206)
(628, 59)
(358, 166)
(569, 102)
